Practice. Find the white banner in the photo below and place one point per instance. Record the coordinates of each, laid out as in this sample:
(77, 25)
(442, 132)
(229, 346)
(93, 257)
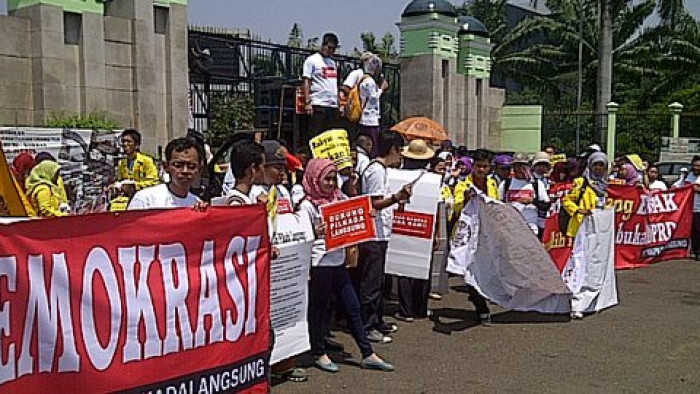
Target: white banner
(505, 261)
(289, 282)
(590, 272)
(411, 244)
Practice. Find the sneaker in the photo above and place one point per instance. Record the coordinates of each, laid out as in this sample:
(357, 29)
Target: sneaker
(577, 315)
(485, 319)
(388, 328)
(399, 316)
(435, 296)
(377, 337)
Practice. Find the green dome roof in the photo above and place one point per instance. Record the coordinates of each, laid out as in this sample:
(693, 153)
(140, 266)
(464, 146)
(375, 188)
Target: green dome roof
(422, 7)
(470, 25)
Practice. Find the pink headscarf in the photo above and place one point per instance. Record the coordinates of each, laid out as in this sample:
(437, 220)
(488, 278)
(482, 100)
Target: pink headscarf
(316, 170)
(632, 177)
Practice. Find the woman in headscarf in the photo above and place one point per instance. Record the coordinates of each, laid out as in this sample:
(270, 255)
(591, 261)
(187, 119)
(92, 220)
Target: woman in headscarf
(21, 167)
(588, 193)
(45, 190)
(628, 174)
(329, 276)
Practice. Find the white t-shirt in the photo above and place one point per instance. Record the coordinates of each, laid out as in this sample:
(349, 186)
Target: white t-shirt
(520, 188)
(363, 160)
(353, 78)
(319, 256)
(657, 185)
(324, 80)
(160, 197)
(237, 197)
(691, 179)
(369, 95)
(542, 196)
(229, 182)
(375, 182)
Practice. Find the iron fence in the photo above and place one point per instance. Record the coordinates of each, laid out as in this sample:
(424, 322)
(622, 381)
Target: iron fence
(560, 129)
(269, 73)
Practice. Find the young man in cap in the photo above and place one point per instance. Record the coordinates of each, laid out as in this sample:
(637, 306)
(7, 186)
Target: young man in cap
(502, 165)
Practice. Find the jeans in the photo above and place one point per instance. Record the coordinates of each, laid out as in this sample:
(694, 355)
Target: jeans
(327, 281)
(413, 297)
(371, 262)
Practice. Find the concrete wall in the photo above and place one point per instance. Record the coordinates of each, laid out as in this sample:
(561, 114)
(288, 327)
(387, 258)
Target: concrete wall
(467, 106)
(120, 65)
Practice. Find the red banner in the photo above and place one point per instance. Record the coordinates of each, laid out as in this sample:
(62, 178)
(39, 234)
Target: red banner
(348, 222)
(150, 301)
(650, 226)
(414, 224)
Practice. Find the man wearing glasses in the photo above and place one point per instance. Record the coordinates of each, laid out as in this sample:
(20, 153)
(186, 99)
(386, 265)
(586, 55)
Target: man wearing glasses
(320, 76)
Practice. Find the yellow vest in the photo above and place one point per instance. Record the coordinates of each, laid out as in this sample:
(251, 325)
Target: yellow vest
(144, 171)
(463, 186)
(588, 201)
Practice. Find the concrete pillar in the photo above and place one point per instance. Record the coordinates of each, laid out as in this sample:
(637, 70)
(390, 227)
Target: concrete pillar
(676, 109)
(612, 125)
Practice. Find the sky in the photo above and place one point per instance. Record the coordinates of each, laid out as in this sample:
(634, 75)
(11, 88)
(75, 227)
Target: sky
(273, 19)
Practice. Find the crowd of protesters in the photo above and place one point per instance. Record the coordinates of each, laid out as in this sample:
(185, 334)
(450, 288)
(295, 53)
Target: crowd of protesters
(266, 172)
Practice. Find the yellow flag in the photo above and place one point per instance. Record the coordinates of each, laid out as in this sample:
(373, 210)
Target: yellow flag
(16, 201)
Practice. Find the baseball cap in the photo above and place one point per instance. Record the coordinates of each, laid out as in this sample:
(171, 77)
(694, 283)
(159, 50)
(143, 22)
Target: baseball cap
(274, 153)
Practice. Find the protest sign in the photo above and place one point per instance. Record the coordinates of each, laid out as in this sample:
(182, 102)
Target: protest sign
(87, 159)
(289, 282)
(411, 244)
(133, 303)
(505, 261)
(650, 226)
(333, 145)
(590, 273)
(557, 158)
(348, 222)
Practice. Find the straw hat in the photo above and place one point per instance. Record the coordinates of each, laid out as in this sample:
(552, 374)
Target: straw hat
(418, 150)
(541, 157)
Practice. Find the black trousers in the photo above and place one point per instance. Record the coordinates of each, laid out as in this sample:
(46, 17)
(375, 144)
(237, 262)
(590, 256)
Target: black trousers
(413, 297)
(371, 262)
(478, 300)
(695, 233)
(323, 119)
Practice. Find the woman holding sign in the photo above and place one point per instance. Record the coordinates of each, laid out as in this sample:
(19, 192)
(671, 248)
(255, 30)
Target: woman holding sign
(329, 274)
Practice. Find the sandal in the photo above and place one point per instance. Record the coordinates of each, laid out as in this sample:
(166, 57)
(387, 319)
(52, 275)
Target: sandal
(296, 375)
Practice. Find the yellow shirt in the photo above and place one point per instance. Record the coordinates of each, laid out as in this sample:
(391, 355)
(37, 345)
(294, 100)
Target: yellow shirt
(588, 201)
(144, 171)
(46, 203)
(463, 186)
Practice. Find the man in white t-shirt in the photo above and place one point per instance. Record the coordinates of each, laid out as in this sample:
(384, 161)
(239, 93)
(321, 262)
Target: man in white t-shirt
(320, 76)
(372, 255)
(693, 178)
(519, 191)
(184, 160)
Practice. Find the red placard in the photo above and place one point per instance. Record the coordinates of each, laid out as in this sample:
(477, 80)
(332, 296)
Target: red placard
(348, 222)
(413, 224)
(649, 226)
(148, 301)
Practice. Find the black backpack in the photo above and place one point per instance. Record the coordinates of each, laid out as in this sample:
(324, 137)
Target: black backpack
(564, 217)
(542, 207)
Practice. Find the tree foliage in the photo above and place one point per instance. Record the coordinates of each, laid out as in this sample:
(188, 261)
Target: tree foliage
(232, 112)
(95, 120)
